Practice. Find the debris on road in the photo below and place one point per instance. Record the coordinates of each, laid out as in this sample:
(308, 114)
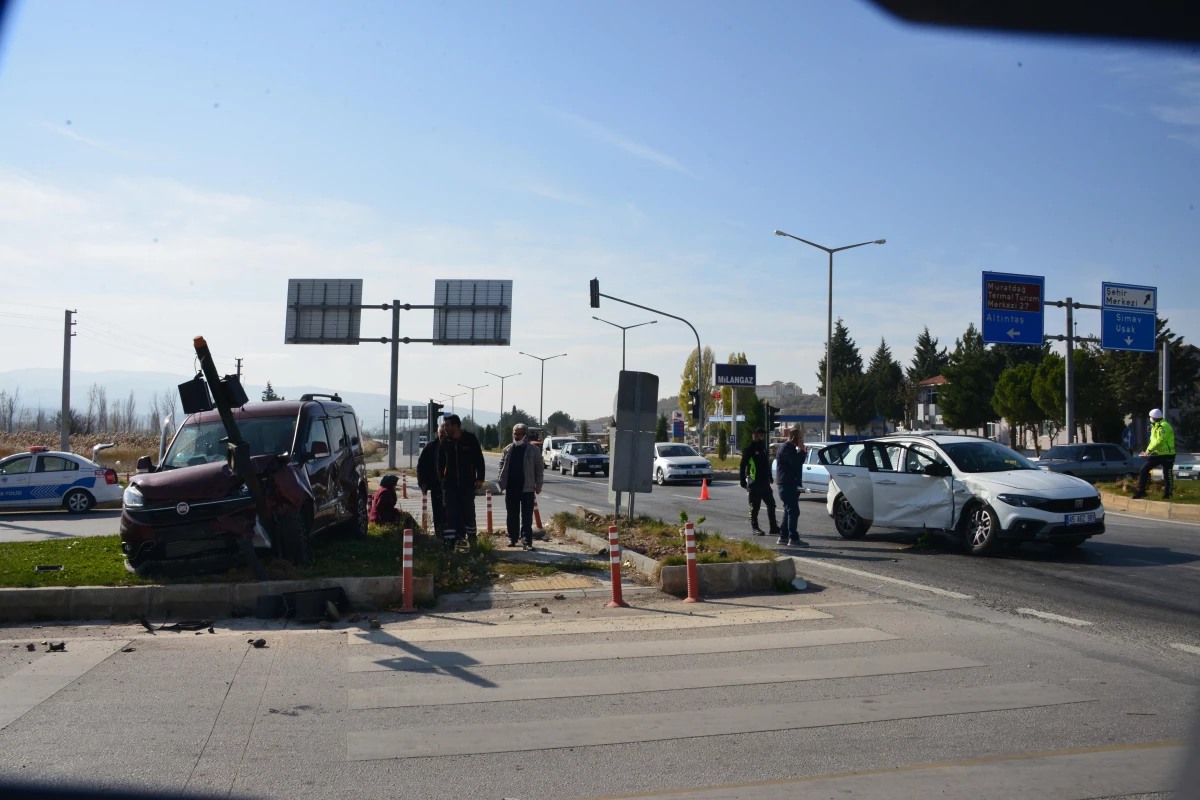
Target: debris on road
(31, 647)
(187, 625)
(210, 629)
(325, 624)
(355, 617)
(146, 624)
(58, 647)
(545, 610)
(560, 597)
(128, 649)
(258, 643)
(374, 622)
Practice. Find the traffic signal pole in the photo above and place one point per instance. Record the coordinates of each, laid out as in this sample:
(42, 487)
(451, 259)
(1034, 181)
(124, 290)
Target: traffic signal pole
(395, 388)
(1070, 338)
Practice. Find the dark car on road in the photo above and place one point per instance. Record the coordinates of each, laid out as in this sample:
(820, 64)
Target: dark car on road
(577, 457)
(1092, 462)
(188, 513)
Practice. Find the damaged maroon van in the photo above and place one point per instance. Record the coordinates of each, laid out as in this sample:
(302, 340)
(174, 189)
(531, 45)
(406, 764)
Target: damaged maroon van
(189, 513)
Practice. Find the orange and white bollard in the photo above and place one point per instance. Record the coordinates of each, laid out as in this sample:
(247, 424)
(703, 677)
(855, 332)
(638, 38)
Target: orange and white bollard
(693, 578)
(404, 485)
(425, 511)
(614, 557)
(406, 574)
(537, 515)
(489, 511)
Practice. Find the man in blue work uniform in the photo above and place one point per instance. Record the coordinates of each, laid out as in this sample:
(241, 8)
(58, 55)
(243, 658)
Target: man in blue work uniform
(789, 465)
(1160, 452)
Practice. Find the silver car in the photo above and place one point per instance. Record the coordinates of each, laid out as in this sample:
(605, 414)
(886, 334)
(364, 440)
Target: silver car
(816, 476)
(1092, 462)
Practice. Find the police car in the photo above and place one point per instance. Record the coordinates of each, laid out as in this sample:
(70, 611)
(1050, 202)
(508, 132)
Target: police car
(42, 478)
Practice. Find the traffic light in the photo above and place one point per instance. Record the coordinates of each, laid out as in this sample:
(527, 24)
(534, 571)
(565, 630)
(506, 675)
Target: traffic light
(772, 412)
(595, 288)
(695, 407)
(435, 413)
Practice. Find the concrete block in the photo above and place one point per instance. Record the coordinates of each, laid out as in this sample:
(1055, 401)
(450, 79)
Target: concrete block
(674, 579)
(423, 588)
(1137, 506)
(109, 602)
(191, 601)
(374, 592)
(1188, 512)
(1158, 509)
(719, 578)
(756, 576)
(1114, 502)
(785, 570)
(31, 605)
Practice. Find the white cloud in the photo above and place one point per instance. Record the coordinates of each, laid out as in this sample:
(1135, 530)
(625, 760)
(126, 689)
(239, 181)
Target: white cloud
(636, 149)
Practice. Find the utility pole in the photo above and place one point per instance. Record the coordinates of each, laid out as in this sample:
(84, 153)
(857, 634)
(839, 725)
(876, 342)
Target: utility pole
(542, 393)
(473, 388)
(239, 369)
(1164, 376)
(395, 384)
(1070, 338)
(64, 434)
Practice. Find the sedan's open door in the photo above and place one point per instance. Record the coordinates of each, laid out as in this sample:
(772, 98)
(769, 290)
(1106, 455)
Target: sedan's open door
(849, 476)
(913, 487)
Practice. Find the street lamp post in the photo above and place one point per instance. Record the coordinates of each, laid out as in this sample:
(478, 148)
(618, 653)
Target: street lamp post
(451, 397)
(473, 388)
(542, 391)
(500, 422)
(623, 329)
(829, 316)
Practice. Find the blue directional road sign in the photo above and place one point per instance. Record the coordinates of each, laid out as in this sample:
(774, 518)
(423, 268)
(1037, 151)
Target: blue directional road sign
(1128, 317)
(1012, 309)
(1127, 438)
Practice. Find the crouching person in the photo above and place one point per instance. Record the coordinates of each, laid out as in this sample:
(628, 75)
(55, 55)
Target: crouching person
(383, 504)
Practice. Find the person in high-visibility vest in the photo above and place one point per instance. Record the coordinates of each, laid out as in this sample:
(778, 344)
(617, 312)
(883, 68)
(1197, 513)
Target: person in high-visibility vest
(1159, 453)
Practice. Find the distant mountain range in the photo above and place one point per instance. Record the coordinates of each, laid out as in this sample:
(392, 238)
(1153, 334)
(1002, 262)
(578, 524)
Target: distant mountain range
(44, 387)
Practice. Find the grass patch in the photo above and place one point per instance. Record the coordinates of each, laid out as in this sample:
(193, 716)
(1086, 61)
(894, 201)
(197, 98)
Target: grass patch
(512, 570)
(563, 520)
(664, 542)
(94, 561)
(1185, 491)
(730, 463)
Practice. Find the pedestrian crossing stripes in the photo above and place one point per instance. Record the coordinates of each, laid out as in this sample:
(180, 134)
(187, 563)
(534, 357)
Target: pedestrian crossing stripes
(409, 658)
(625, 683)
(450, 740)
(397, 632)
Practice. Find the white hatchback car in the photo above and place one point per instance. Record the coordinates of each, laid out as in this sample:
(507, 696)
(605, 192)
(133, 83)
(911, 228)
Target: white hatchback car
(975, 489)
(43, 478)
(679, 462)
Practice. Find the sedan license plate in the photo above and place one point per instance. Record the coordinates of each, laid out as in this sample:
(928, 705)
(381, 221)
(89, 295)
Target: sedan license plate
(1081, 519)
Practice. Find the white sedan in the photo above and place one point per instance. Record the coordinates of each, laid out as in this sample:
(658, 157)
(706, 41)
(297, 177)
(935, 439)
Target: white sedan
(972, 488)
(679, 462)
(42, 478)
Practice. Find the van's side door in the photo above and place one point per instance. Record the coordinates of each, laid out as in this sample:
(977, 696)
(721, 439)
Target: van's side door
(319, 462)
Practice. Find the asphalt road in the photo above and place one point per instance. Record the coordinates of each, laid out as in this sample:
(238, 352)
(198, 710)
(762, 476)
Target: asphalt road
(1138, 582)
(36, 526)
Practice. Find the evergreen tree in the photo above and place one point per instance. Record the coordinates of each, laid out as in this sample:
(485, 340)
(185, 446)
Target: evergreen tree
(966, 398)
(927, 360)
(1013, 400)
(853, 401)
(887, 381)
(269, 394)
(846, 358)
(661, 432)
(1049, 389)
(583, 430)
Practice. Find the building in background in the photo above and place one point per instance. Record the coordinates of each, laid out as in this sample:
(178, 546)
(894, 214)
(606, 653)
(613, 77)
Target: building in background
(778, 391)
(927, 415)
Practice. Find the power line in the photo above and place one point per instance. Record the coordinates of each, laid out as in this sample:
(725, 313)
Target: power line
(28, 327)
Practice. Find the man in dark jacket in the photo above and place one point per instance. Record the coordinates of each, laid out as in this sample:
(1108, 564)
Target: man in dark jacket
(461, 467)
(520, 478)
(430, 480)
(755, 472)
(789, 472)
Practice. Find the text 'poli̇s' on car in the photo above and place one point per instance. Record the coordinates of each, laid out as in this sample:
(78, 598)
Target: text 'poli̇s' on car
(679, 462)
(578, 457)
(45, 478)
(980, 492)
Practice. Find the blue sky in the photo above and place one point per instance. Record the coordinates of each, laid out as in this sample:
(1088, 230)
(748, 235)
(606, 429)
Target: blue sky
(164, 168)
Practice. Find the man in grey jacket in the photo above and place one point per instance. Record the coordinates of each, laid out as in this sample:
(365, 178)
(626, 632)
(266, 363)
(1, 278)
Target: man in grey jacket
(520, 479)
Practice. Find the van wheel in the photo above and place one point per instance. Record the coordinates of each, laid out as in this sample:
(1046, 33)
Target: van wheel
(77, 501)
(357, 524)
(981, 529)
(294, 531)
(847, 521)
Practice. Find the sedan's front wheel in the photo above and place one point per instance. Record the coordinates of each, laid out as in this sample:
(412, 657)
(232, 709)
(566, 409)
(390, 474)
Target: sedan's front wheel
(982, 530)
(660, 477)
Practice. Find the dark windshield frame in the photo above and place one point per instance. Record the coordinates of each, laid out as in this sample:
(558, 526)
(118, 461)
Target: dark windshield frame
(216, 426)
(964, 449)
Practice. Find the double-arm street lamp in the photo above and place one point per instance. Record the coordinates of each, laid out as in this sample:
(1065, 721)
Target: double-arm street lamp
(623, 329)
(542, 392)
(473, 388)
(500, 422)
(451, 397)
(829, 316)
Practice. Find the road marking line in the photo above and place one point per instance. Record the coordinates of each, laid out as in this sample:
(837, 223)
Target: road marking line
(1108, 513)
(1187, 648)
(966, 762)
(407, 658)
(821, 563)
(36, 683)
(554, 734)
(394, 633)
(407, 696)
(1055, 617)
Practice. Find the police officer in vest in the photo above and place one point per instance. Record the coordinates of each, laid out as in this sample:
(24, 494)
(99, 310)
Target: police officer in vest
(1159, 453)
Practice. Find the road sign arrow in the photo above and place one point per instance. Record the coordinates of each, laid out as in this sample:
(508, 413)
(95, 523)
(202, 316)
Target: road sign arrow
(1128, 340)
(1012, 334)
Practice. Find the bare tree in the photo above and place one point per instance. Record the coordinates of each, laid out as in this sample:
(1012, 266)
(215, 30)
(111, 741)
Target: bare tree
(9, 403)
(129, 413)
(170, 406)
(41, 418)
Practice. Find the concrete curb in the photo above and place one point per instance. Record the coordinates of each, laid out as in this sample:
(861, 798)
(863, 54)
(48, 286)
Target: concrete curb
(1150, 508)
(188, 600)
(731, 578)
(486, 599)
